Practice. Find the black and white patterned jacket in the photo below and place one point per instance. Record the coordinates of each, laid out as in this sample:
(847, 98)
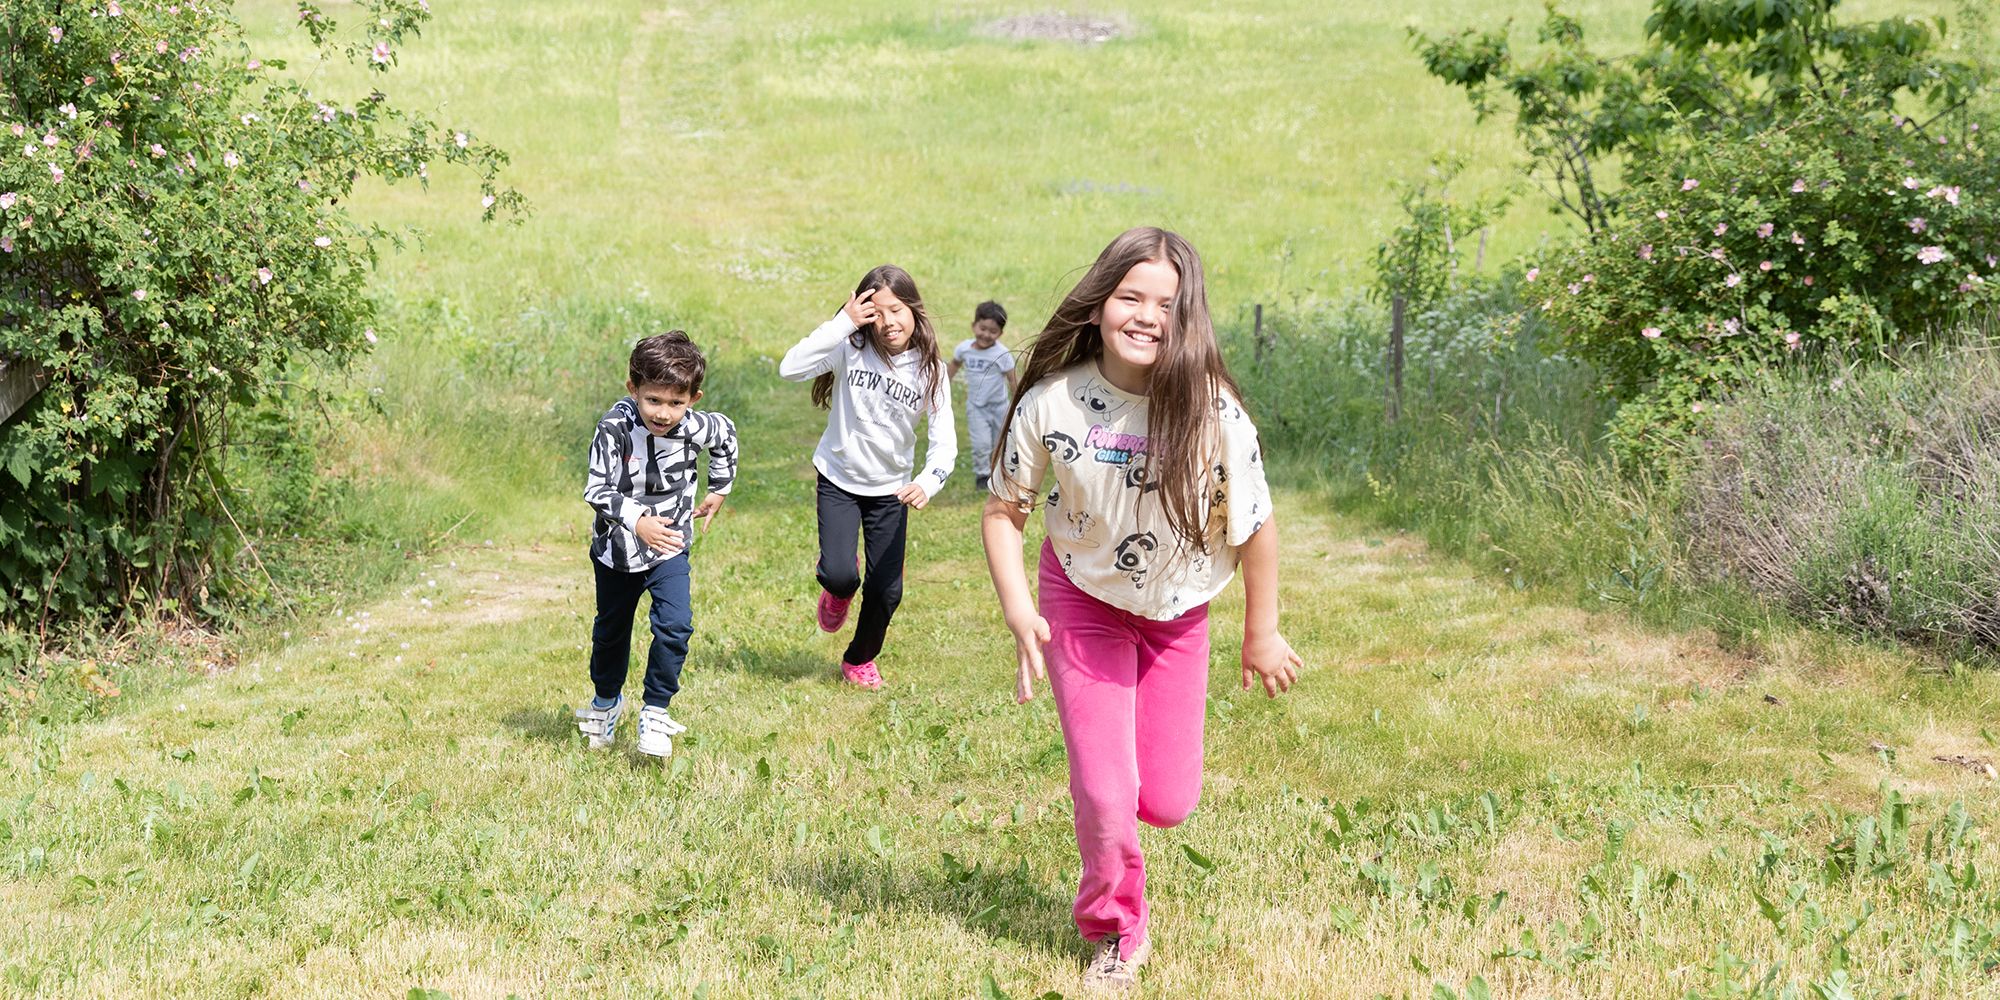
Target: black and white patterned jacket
(635, 473)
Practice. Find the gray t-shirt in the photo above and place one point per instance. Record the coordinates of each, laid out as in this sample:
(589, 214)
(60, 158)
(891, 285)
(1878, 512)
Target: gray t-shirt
(985, 373)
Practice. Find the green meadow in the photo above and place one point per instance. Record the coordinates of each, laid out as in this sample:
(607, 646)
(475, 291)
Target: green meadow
(1474, 791)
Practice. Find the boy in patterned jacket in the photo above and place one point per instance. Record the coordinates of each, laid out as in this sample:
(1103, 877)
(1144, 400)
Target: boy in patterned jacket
(641, 483)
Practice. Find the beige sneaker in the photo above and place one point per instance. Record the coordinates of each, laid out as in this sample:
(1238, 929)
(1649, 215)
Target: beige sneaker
(1107, 971)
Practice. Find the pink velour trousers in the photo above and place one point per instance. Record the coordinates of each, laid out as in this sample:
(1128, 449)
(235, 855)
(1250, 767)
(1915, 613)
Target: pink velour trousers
(1131, 693)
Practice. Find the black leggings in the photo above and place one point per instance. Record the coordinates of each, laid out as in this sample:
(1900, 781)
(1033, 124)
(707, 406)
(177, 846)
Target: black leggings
(882, 523)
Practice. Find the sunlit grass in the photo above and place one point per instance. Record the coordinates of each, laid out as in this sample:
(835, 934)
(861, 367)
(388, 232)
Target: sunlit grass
(387, 794)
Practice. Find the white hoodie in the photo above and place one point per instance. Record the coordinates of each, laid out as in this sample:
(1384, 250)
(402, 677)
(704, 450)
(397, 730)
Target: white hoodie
(869, 447)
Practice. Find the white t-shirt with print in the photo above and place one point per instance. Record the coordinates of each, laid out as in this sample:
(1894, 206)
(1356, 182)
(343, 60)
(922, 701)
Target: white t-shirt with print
(985, 373)
(1112, 537)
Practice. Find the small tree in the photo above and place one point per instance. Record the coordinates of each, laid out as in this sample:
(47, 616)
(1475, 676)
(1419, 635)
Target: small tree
(1711, 69)
(172, 240)
(1417, 265)
(1419, 261)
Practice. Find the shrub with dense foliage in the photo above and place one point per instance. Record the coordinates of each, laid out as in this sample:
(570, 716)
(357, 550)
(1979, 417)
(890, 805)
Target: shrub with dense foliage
(1841, 232)
(173, 244)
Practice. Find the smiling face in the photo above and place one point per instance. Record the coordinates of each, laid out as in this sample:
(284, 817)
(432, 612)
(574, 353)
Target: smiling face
(661, 407)
(1135, 320)
(985, 333)
(894, 323)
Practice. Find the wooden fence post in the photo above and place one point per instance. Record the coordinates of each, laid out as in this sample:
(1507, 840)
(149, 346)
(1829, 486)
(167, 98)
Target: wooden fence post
(1257, 333)
(19, 382)
(1479, 258)
(1394, 389)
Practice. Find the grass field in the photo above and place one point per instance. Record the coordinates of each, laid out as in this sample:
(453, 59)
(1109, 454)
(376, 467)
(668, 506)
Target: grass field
(385, 793)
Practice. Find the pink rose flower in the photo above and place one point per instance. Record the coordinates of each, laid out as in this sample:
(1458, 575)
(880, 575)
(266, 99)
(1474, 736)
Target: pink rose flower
(1690, 184)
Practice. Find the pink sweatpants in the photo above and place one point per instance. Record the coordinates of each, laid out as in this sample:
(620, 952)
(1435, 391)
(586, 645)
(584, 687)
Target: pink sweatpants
(1131, 693)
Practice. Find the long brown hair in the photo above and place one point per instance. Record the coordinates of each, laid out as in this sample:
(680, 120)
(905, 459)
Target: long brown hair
(923, 339)
(1182, 386)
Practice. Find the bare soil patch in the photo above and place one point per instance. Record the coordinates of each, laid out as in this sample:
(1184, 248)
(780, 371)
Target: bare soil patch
(1058, 26)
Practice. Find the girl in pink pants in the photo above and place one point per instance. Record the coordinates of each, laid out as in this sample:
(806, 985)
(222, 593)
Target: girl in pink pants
(1159, 493)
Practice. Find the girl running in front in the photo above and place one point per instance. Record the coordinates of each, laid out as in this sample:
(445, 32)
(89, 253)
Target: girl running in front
(875, 367)
(1159, 493)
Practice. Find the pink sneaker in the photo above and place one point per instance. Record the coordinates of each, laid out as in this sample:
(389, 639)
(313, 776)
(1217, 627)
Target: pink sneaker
(862, 674)
(832, 611)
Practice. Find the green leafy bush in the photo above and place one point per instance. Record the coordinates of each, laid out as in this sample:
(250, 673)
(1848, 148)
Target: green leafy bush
(1844, 231)
(173, 244)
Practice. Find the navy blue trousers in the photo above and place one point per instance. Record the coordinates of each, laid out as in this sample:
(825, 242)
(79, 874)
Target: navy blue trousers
(671, 617)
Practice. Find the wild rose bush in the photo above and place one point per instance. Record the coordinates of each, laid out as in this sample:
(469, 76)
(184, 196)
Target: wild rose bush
(1842, 233)
(173, 241)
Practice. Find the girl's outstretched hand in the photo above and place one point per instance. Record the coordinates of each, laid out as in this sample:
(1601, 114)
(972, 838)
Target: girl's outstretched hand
(1031, 633)
(1270, 657)
(861, 308)
(914, 496)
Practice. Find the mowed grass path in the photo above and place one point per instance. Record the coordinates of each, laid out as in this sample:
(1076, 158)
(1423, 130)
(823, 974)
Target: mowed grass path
(400, 801)
(1468, 782)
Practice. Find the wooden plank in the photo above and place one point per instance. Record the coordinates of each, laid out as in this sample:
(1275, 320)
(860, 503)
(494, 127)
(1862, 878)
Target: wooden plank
(19, 381)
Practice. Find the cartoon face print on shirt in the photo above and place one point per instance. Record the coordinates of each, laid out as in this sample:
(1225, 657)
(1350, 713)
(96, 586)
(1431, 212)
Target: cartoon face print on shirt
(1134, 556)
(1062, 447)
(1099, 399)
(1139, 474)
(1080, 524)
(1230, 413)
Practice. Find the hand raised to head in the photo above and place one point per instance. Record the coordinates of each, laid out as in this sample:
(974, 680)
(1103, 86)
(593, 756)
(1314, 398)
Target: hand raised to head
(861, 308)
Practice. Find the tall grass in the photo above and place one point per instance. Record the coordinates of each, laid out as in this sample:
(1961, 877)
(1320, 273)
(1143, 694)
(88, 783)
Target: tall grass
(1494, 455)
(1864, 497)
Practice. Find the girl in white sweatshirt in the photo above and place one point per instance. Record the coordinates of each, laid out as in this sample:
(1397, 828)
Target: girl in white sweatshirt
(875, 366)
